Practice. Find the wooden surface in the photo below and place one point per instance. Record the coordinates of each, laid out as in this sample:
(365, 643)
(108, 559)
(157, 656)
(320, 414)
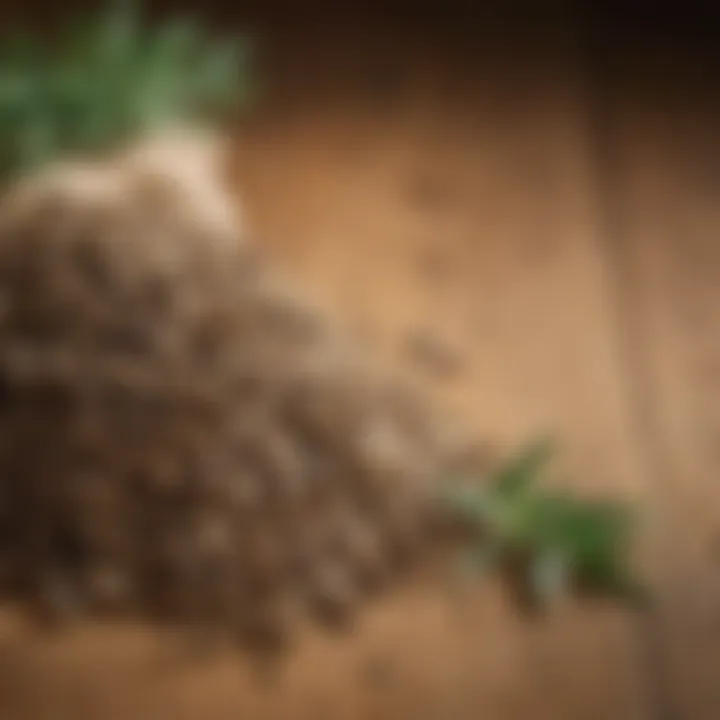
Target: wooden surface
(555, 228)
(659, 171)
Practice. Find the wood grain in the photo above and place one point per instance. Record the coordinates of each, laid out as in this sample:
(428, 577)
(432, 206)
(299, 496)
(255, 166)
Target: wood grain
(407, 185)
(661, 149)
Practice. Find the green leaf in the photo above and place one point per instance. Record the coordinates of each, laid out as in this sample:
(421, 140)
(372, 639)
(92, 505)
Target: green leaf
(569, 540)
(470, 502)
(35, 142)
(118, 34)
(107, 79)
(550, 574)
(164, 83)
(524, 470)
(219, 73)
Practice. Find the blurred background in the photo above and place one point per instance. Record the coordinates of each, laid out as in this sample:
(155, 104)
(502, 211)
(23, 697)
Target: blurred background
(517, 204)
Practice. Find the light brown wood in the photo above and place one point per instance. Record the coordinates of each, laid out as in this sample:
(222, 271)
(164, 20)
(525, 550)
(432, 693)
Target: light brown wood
(464, 205)
(663, 171)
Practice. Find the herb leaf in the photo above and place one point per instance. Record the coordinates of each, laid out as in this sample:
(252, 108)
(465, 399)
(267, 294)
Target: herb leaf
(564, 540)
(110, 78)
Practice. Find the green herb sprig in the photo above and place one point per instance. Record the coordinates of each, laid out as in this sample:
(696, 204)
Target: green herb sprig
(549, 541)
(108, 79)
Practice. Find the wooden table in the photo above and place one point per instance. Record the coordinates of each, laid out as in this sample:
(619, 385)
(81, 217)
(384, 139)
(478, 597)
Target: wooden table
(548, 213)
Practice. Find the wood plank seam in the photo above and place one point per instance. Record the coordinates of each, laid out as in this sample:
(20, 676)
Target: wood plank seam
(612, 224)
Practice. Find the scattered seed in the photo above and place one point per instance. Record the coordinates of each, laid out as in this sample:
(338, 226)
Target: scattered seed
(434, 353)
